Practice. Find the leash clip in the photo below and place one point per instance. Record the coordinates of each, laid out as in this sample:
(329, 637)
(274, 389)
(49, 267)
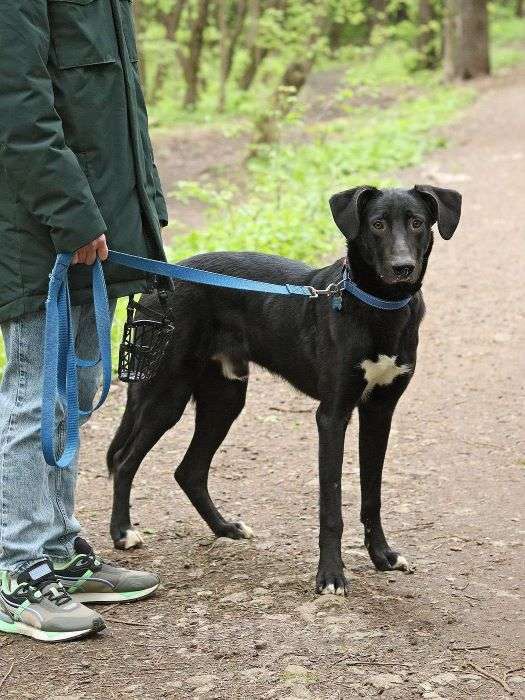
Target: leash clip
(332, 289)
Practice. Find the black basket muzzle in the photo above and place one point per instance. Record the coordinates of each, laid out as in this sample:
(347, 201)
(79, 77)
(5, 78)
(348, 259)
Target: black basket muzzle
(143, 346)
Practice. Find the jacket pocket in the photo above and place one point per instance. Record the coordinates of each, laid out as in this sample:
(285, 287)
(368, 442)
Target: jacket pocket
(82, 32)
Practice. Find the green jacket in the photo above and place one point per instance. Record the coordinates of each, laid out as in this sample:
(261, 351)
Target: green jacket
(75, 156)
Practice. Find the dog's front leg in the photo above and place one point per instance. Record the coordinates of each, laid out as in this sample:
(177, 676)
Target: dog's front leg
(332, 429)
(375, 418)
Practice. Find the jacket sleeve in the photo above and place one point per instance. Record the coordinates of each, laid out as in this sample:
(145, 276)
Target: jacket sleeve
(43, 171)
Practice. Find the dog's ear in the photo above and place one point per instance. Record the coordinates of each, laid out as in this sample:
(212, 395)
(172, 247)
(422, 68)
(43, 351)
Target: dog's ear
(347, 207)
(445, 206)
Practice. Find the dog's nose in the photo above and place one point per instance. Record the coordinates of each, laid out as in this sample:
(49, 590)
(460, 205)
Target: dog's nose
(404, 269)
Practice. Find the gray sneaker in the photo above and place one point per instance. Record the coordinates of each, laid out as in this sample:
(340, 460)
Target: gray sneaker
(34, 603)
(90, 580)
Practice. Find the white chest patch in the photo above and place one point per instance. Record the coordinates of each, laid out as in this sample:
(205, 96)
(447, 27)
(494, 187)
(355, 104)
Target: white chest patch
(382, 372)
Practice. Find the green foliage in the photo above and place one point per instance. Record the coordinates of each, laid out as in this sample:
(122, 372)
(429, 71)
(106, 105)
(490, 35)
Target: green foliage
(507, 36)
(285, 31)
(117, 329)
(376, 72)
(418, 37)
(505, 27)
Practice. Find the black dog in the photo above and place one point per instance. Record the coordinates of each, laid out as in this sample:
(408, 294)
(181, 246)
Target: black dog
(347, 356)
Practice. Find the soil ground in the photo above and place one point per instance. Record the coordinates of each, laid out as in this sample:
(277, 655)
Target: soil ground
(240, 620)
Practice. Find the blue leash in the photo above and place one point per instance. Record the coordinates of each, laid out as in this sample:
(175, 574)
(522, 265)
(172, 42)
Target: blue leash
(61, 364)
(60, 381)
(215, 279)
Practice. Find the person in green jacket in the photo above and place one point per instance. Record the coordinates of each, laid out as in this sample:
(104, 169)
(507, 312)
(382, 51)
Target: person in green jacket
(77, 175)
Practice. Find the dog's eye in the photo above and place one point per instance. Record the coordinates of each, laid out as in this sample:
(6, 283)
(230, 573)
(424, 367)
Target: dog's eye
(416, 223)
(379, 225)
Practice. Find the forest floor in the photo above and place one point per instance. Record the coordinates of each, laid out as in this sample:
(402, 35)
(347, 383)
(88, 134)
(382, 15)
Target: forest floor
(240, 620)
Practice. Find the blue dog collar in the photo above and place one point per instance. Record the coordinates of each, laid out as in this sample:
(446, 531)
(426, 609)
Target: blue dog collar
(348, 285)
(351, 287)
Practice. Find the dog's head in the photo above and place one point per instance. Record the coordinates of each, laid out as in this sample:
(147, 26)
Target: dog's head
(391, 229)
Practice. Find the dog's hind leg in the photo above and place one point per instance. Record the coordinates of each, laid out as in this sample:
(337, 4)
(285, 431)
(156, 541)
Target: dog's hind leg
(151, 411)
(219, 401)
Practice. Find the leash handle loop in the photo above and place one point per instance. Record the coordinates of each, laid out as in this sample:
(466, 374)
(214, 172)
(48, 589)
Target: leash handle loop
(61, 364)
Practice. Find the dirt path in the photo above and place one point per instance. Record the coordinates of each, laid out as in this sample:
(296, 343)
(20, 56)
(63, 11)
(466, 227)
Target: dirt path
(239, 620)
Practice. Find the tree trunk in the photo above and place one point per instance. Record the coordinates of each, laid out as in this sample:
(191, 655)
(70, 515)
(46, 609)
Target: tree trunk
(520, 9)
(191, 61)
(399, 13)
(257, 54)
(466, 39)
(171, 22)
(223, 49)
(429, 53)
(235, 35)
(335, 38)
(378, 6)
(228, 42)
(375, 15)
(267, 126)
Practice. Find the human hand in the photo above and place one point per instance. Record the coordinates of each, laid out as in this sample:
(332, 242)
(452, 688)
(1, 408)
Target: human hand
(90, 252)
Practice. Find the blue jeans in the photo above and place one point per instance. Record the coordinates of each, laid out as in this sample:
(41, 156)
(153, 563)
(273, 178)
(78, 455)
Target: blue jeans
(37, 501)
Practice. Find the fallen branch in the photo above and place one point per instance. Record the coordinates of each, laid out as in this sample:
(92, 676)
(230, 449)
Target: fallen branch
(376, 663)
(476, 443)
(369, 663)
(453, 537)
(126, 622)
(513, 670)
(491, 677)
(105, 610)
(291, 410)
(478, 648)
(161, 669)
(9, 672)
(422, 526)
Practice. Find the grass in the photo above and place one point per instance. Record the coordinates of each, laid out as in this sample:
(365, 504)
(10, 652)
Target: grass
(507, 35)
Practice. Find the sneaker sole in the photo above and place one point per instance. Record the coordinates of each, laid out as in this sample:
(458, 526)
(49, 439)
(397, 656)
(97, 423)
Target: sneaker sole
(124, 597)
(43, 636)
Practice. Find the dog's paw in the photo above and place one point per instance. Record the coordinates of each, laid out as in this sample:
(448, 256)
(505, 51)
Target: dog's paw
(132, 539)
(236, 531)
(401, 564)
(388, 560)
(331, 582)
